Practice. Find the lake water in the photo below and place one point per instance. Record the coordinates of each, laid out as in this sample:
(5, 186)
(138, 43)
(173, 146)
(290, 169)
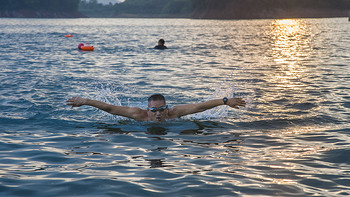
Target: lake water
(292, 138)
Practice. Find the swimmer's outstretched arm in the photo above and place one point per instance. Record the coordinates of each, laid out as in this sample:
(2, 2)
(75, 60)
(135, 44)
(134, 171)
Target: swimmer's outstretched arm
(129, 112)
(182, 110)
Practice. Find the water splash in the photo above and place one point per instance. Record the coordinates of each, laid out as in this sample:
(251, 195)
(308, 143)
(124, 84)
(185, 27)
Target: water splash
(112, 94)
(117, 93)
(229, 88)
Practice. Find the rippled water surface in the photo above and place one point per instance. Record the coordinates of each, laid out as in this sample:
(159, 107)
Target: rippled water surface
(292, 138)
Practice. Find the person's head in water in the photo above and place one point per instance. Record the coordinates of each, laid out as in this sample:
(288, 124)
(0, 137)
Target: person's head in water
(161, 45)
(157, 109)
(161, 42)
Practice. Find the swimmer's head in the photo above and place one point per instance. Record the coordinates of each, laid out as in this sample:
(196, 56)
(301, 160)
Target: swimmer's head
(161, 42)
(157, 109)
(80, 45)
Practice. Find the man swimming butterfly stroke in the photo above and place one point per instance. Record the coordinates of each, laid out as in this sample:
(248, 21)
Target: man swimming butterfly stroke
(157, 109)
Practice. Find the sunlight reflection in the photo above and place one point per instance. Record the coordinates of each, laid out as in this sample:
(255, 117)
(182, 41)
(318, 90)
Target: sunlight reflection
(290, 45)
(289, 51)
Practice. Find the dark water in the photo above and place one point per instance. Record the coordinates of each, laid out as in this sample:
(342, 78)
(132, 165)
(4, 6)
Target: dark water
(292, 139)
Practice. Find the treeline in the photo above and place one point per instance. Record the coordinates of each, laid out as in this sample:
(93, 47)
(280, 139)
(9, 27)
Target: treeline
(218, 9)
(231, 9)
(92, 8)
(40, 5)
(279, 4)
(40, 9)
(269, 8)
(154, 8)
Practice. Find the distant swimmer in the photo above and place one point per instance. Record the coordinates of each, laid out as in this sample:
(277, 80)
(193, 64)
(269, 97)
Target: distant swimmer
(161, 45)
(157, 109)
(82, 47)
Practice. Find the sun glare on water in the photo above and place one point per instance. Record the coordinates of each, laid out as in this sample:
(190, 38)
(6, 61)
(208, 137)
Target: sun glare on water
(290, 46)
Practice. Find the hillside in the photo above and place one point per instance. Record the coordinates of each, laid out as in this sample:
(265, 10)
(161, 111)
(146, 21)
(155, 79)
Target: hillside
(232, 9)
(40, 8)
(246, 9)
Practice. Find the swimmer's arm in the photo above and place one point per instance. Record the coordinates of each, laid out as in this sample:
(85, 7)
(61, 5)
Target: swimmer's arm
(129, 112)
(186, 109)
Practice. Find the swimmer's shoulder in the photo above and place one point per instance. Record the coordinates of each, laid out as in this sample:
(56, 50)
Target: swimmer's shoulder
(160, 47)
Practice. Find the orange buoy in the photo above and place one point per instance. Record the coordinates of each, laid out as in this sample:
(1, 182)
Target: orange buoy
(68, 35)
(87, 48)
(81, 46)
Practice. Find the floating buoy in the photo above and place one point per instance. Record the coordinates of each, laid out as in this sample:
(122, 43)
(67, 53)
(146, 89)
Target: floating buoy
(68, 35)
(87, 48)
(81, 46)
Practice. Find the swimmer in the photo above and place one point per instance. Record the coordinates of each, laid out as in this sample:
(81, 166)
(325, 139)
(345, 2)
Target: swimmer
(161, 45)
(157, 109)
(80, 45)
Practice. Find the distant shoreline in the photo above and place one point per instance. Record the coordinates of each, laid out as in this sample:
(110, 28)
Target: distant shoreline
(211, 14)
(272, 14)
(40, 14)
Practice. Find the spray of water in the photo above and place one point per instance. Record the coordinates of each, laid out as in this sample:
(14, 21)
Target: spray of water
(115, 93)
(223, 89)
(110, 93)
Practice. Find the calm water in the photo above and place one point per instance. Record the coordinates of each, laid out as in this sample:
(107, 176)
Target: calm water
(292, 139)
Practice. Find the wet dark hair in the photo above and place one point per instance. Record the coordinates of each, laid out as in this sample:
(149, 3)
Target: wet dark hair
(156, 97)
(161, 41)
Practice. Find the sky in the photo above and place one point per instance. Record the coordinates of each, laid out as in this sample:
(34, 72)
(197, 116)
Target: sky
(107, 1)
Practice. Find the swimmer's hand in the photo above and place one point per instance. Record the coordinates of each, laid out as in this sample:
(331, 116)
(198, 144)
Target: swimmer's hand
(76, 101)
(236, 103)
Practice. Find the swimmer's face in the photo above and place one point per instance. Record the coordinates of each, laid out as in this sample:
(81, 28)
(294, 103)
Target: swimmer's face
(157, 111)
